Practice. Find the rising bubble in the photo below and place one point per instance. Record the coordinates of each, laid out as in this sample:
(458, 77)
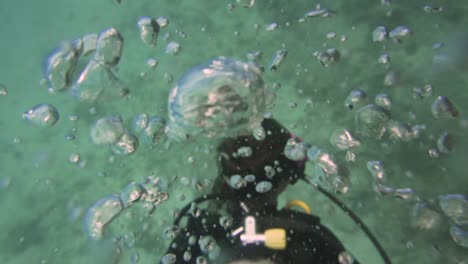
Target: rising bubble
(222, 97)
(100, 214)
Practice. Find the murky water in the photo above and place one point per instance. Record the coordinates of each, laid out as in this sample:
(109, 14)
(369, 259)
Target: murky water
(94, 93)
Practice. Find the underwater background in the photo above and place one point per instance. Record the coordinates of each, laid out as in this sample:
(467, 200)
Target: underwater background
(51, 174)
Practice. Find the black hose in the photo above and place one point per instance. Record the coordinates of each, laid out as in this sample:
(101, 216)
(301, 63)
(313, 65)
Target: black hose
(355, 218)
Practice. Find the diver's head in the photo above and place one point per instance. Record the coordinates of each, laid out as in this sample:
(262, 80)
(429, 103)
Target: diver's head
(253, 168)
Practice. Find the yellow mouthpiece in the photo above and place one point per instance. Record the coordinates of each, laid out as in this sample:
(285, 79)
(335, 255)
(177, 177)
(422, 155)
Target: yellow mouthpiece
(275, 238)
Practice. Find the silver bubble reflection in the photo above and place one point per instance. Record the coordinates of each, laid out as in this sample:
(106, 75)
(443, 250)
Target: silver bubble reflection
(224, 97)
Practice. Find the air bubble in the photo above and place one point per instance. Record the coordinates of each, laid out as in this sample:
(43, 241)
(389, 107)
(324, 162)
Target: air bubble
(379, 34)
(246, 3)
(278, 59)
(459, 235)
(207, 244)
(60, 66)
(195, 210)
(254, 56)
(173, 48)
(399, 131)
(201, 260)
(132, 193)
(328, 57)
(324, 160)
(392, 78)
(100, 214)
(162, 21)
(96, 80)
(107, 130)
(109, 47)
(424, 217)
(89, 44)
(226, 222)
(342, 139)
(455, 206)
(269, 171)
(224, 97)
(139, 123)
(259, 133)
(383, 100)
(42, 115)
(149, 30)
(126, 145)
(377, 170)
(356, 98)
(169, 258)
(187, 256)
(271, 26)
(445, 143)
(296, 150)
(171, 232)
(244, 152)
(345, 258)
(400, 32)
(237, 182)
(74, 158)
(263, 187)
(371, 121)
(443, 108)
(3, 90)
(384, 58)
(154, 131)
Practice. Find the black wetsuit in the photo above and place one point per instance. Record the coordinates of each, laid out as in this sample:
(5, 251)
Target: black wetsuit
(307, 240)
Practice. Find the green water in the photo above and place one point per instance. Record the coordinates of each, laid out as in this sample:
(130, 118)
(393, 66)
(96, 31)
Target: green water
(44, 196)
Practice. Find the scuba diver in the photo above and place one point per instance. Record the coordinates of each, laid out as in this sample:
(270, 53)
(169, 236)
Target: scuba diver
(243, 224)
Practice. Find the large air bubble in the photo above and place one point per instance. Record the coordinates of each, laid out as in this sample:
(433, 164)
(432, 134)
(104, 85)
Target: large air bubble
(224, 97)
(100, 214)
